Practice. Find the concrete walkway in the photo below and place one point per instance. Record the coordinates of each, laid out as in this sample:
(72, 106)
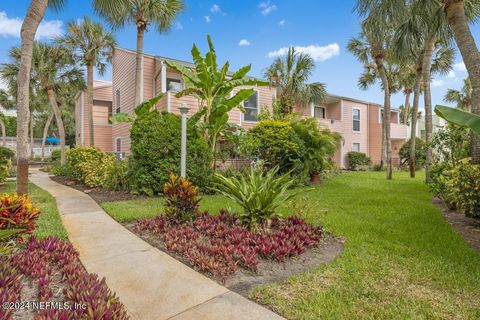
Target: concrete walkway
(151, 284)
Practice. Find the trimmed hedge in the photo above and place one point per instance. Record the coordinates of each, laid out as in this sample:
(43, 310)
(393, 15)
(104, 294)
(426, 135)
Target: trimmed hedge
(357, 159)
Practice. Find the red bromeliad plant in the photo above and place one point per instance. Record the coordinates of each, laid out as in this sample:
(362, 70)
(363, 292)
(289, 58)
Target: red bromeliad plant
(41, 262)
(17, 212)
(220, 244)
(181, 199)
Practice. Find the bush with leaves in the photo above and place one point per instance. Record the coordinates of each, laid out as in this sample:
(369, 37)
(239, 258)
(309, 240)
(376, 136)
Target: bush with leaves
(459, 186)
(258, 193)
(450, 144)
(420, 152)
(181, 199)
(156, 152)
(277, 144)
(55, 155)
(94, 168)
(357, 160)
(6, 156)
(319, 144)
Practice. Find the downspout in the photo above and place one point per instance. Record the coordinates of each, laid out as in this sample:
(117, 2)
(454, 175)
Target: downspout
(342, 160)
(368, 129)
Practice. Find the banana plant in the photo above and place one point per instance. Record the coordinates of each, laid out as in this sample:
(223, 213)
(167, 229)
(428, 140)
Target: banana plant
(141, 109)
(459, 117)
(214, 88)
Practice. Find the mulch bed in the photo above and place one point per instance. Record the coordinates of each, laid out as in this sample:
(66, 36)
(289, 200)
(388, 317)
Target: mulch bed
(469, 228)
(98, 194)
(220, 237)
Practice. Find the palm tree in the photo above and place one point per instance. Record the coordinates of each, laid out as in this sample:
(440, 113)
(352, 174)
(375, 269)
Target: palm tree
(420, 24)
(52, 68)
(93, 46)
(462, 97)
(34, 16)
(372, 47)
(407, 77)
(459, 13)
(143, 13)
(6, 103)
(290, 76)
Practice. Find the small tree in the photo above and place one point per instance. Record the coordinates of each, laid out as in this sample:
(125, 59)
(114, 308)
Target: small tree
(213, 87)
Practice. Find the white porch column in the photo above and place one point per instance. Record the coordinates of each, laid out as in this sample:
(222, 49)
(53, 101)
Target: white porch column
(183, 156)
(163, 76)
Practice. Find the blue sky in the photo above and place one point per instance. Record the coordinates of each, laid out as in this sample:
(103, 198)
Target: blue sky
(248, 31)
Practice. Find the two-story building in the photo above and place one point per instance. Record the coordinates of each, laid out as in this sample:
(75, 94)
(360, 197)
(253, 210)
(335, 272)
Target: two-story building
(358, 122)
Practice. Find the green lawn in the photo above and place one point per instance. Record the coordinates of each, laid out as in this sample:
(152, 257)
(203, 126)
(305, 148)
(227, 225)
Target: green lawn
(401, 259)
(49, 223)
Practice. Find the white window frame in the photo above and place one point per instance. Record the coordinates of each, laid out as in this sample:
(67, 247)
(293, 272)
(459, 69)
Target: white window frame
(324, 111)
(174, 79)
(359, 120)
(118, 104)
(116, 144)
(359, 146)
(258, 109)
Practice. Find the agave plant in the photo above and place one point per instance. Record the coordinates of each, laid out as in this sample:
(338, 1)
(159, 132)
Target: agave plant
(258, 193)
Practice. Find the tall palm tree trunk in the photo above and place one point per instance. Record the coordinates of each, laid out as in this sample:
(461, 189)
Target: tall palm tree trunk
(34, 16)
(406, 110)
(413, 132)
(52, 98)
(139, 66)
(386, 115)
(471, 57)
(45, 133)
(90, 103)
(4, 132)
(427, 96)
(31, 137)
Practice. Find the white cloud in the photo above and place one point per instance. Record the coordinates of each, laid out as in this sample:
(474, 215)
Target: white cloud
(451, 75)
(318, 53)
(438, 83)
(215, 9)
(207, 19)
(244, 43)
(10, 27)
(267, 7)
(460, 67)
(281, 23)
(178, 26)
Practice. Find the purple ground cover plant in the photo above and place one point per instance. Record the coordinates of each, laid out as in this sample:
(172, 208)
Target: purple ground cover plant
(220, 244)
(44, 262)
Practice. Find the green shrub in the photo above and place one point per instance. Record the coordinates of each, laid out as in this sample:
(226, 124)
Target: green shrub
(357, 159)
(55, 155)
(461, 188)
(6, 154)
(181, 199)
(319, 145)
(277, 144)
(94, 168)
(259, 194)
(420, 152)
(59, 170)
(156, 150)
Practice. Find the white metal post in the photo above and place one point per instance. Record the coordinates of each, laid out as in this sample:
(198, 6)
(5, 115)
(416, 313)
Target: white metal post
(183, 157)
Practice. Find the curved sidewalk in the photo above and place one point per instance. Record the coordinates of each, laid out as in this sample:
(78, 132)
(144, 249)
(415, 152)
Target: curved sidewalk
(151, 284)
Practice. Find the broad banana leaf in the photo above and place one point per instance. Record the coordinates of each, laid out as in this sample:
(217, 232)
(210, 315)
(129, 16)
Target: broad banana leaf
(459, 117)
